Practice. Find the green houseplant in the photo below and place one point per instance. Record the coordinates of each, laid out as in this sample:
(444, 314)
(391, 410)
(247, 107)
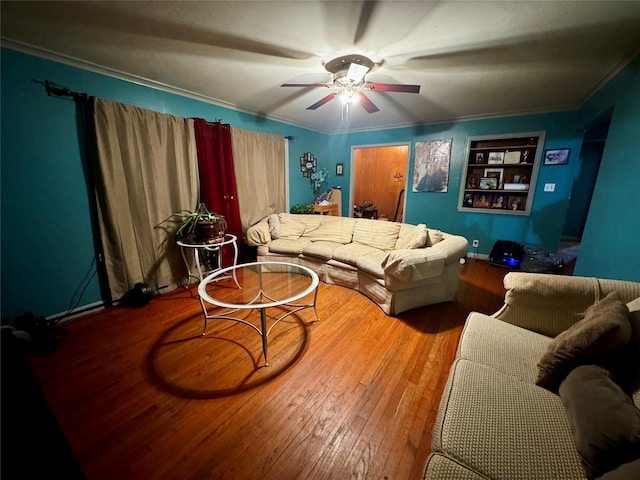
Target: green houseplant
(203, 224)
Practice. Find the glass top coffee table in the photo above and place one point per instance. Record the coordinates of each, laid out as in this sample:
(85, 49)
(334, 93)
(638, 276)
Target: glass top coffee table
(261, 285)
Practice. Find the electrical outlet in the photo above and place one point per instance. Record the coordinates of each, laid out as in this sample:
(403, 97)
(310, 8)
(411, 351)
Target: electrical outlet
(475, 243)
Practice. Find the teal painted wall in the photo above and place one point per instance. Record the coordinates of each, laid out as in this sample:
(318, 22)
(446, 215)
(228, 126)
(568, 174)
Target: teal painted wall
(439, 210)
(611, 236)
(47, 241)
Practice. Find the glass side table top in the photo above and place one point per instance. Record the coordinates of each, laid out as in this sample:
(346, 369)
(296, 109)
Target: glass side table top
(261, 285)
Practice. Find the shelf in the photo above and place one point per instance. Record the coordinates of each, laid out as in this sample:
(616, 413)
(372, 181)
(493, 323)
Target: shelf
(493, 161)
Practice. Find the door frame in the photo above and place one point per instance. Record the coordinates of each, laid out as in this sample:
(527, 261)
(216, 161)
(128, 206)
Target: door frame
(352, 174)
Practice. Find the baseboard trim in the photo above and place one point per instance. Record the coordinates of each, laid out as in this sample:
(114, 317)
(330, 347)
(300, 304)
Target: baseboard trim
(77, 312)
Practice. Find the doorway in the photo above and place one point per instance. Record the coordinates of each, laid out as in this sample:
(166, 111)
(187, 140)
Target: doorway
(591, 152)
(379, 177)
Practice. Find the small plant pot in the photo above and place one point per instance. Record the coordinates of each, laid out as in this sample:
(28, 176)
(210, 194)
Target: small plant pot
(208, 231)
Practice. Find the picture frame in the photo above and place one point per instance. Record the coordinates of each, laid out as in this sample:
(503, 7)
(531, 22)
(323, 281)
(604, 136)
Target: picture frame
(559, 156)
(516, 202)
(473, 181)
(479, 157)
(339, 169)
(468, 200)
(488, 183)
(499, 201)
(481, 200)
(496, 173)
(496, 158)
(512, 157)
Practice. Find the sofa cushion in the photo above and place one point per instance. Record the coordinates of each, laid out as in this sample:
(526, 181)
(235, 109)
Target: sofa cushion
(284, 226)
(334, 229)
(604, 329)
(321, 249)
(604, 421)
(445, 468)
(516, 353)
(412, 265)
(311, 222)
(411, 236)
(433, 237)
(503, 428)
(377, 234)
(352, 251)
(371, 263)
(289, 246)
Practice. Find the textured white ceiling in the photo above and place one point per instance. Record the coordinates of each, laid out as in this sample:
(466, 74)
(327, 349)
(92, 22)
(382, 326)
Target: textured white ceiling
(472, 59)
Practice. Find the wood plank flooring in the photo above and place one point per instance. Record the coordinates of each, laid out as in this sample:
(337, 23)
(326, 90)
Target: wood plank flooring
(140, 394)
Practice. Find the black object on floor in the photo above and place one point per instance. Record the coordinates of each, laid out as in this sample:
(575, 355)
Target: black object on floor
(506, 253)
(33, 444)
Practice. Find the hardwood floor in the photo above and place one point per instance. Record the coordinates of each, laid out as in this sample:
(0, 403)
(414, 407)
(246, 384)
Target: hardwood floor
(141, 395)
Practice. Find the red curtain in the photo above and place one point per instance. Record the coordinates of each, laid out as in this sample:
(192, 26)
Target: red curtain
(217, 176)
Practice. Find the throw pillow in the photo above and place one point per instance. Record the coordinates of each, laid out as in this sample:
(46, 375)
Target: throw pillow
(626, 471)
(604, 421)
(433, 237)
(604, 329)
(274, 226)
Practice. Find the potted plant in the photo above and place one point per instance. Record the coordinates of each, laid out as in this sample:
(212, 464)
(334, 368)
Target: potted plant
(204, 225)
(302, 208)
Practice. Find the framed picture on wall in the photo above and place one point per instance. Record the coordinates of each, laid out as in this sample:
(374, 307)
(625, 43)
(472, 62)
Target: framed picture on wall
(556, 157)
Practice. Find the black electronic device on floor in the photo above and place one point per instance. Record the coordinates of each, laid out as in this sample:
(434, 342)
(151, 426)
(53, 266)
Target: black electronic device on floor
(506, 253)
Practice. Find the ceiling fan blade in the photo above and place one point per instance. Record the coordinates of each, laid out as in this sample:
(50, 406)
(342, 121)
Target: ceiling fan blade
(305, 85)
(393, 87)
(367, 104)
(322, 101)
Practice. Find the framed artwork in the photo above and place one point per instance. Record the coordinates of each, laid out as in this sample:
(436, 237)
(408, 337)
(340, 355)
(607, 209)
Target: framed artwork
(556, 157)
(516, 202)
(499, 201)
(496, 173)
(512, 157)
(431, 169)
(488, 183)
(474, 181)
(481, 200)
(496, 158)
(468, 199)
(339, 169)
(479, 157)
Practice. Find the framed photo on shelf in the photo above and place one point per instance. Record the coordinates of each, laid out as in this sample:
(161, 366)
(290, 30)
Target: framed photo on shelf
(496, 173)
(339, 169)
(496, 158)
(516, 202)
(468, 199)
(479, 157)
(488, 183)
(556, 157)
(499, 201)
(473, 181)
(481, 200)
(512, 157)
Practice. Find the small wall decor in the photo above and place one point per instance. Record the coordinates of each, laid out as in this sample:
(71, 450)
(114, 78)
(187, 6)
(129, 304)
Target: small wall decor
(556, 157)
(339, 169)
(308, 164)
(431, 169)
(398, 177)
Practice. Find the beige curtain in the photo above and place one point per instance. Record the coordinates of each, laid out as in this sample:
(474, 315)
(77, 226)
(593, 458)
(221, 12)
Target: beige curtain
(260, 164)
(147, 170)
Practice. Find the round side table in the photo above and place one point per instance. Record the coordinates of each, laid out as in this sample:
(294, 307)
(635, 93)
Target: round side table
(190, 243)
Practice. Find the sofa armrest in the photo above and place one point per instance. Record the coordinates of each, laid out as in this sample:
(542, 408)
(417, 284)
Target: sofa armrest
(549, 304)
(258, 234)
(419, 263)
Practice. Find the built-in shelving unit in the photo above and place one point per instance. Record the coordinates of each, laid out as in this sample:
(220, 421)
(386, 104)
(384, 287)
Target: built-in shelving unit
(500, 173)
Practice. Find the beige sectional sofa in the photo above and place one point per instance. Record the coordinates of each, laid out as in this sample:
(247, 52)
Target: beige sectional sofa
(495, 422)
(397, 265)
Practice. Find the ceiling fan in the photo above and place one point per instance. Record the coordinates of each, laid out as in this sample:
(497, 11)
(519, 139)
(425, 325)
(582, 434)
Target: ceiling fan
(349, 83)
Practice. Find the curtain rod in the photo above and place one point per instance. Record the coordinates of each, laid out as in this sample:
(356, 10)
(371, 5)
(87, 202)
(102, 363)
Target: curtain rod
(54, 90)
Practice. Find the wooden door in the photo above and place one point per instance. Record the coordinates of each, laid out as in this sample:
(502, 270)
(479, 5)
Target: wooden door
(380, 175)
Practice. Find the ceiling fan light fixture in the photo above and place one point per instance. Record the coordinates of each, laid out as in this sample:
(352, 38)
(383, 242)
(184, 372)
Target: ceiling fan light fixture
(357, 72)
